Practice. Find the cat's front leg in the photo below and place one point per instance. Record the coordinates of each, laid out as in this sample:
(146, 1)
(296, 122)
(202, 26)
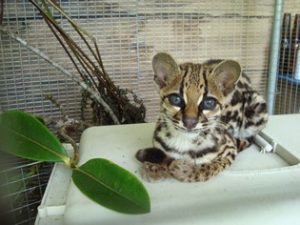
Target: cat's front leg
(153, 172)
(189, 171)
(155, 164)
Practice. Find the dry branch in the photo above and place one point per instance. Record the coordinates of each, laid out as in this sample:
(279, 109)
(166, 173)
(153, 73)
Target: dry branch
(89, 65)
(109, 103)
(96, 96)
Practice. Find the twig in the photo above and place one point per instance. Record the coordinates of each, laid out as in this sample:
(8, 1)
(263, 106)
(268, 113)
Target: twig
(92, 93)
(62, 132)
(84, 60)
(57, 104)
(61, 127)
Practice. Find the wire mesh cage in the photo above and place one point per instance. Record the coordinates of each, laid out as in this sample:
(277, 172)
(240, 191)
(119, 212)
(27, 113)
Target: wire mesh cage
(22, 186)
(288, 94)
(128, 33)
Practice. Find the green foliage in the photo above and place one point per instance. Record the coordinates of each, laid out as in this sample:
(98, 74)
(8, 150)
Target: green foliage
(101, 180)
(109, 183)
(25, 136)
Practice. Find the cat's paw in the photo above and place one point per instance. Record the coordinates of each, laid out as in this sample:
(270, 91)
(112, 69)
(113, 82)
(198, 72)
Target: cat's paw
(152, 155)
(153, 172)
(182, 170)
(188, 171)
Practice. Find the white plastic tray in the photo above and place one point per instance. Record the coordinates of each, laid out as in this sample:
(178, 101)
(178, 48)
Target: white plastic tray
(258, 189)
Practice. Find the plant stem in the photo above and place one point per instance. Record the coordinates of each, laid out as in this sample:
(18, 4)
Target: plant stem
(63, 133)
(96, 96)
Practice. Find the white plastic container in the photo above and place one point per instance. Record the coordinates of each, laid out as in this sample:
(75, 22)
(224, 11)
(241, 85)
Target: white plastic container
(257, 189)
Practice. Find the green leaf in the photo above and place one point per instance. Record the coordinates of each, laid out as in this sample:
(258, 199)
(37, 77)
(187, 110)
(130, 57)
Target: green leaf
(25, 136)
(112, 186)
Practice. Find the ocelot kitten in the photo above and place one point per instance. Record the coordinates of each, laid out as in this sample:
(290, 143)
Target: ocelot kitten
(209, 112)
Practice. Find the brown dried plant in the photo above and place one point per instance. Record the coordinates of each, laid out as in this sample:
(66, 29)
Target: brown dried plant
(110, 104)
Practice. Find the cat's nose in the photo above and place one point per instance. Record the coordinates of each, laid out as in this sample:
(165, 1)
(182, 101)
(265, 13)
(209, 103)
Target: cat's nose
(190, 122)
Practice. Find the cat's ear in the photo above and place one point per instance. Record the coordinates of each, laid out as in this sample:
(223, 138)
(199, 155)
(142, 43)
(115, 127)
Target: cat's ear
(226, 75)
(165, 69)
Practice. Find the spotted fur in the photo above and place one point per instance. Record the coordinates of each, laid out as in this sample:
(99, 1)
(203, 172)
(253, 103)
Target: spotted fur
(209, 112)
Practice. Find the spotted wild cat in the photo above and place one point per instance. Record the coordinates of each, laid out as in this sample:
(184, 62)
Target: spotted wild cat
(209, 112)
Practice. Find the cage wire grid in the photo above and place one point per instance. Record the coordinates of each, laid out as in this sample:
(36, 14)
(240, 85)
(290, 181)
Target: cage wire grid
(22, 186)
(128, 33)
(288, 92)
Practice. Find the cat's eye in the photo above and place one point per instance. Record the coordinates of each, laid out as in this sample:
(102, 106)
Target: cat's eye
(208, 103)
(176, 100)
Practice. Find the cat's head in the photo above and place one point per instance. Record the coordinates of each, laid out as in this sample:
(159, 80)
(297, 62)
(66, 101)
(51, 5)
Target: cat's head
(193, 95)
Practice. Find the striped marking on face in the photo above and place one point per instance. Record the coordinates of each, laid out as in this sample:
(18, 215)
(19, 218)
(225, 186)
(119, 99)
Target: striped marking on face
(193, 89)
(193, 86)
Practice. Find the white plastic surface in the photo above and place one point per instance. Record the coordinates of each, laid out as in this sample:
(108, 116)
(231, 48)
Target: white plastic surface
(53, 204)
(284, 132)
(258, 188)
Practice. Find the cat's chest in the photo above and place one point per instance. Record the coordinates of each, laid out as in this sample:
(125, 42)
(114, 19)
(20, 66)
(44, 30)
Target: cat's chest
(182, 141)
